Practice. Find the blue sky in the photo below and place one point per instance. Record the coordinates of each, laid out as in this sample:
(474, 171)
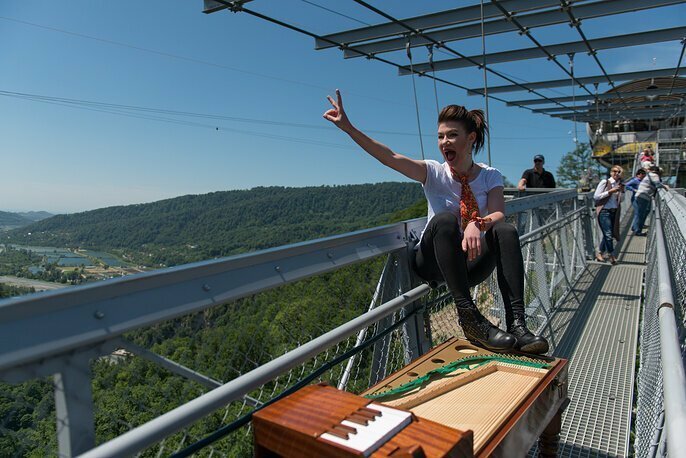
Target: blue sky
(266, 83)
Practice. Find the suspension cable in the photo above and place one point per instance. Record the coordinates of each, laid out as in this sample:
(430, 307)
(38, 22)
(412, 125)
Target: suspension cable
(678, 66)
(414, 90)
(483, 61)
(571, 72)
(430, 50)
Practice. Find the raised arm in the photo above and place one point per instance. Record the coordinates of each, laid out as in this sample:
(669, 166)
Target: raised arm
(411, 168)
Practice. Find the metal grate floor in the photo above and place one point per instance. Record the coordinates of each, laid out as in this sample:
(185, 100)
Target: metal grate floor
(597, 330)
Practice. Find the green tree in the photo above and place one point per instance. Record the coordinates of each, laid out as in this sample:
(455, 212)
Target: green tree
(578, 168)
(508, 183)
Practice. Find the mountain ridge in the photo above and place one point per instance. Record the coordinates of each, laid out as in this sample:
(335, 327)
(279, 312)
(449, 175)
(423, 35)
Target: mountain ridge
(195, 227)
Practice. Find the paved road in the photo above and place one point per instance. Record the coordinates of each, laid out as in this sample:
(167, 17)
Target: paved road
(38, 285)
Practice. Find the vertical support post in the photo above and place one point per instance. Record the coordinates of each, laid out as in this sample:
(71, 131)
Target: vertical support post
(414, 335)
(556, 240)
(527, 258)
(74, 407)
(343, 382)
(382, 346)
(575, 235)
(587, 224)
(541, 274)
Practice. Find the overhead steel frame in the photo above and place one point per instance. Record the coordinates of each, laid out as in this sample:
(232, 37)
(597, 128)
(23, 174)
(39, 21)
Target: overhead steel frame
(618, 115)
(441, 19)
(585, 80)
(616, 41)
(522, 9)
(604, 106)
(419, 35)
(604, 96)
(414, 27)
(237, 6)
(592, 111)
(416, 32)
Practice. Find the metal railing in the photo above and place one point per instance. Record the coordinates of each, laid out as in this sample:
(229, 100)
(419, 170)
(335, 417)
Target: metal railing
(661, 386)
(200, 386)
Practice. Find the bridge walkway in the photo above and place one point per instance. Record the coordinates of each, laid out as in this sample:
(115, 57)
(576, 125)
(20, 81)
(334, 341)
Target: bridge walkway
(597, 330)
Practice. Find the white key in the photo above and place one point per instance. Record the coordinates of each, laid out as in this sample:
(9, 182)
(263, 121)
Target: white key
(372, 436)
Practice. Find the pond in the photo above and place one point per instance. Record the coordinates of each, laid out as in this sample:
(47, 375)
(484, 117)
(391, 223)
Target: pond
(106, 258)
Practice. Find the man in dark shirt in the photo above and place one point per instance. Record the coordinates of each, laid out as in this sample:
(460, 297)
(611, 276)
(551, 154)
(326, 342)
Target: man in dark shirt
(537, 177)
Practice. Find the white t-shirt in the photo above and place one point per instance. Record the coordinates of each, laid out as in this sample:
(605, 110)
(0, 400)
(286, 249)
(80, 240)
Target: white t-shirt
(648, 186)
(443, 193)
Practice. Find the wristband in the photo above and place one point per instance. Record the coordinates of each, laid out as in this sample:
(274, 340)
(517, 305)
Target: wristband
(480, 222)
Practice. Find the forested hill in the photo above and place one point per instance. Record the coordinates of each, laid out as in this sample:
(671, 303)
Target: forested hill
(10, 220)
(198, 227)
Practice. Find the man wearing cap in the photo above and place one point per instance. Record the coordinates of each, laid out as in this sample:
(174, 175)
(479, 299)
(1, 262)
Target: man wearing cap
(537, 177)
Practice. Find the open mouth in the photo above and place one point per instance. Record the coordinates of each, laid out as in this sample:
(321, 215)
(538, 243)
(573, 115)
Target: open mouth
(449, 155)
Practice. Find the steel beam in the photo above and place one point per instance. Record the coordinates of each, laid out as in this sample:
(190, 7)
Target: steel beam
(74, 407)
(583, 80)
(212, 6)
(604, 107)
(604, 96)
(621, 114)
(616, 41)
(44, 324)
(621, 110)
(628, 117)
(502, 25)
(624, 114)
(441, 19)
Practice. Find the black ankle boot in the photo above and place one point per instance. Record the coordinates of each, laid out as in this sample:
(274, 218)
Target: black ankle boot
(481, 331)
(526, 341)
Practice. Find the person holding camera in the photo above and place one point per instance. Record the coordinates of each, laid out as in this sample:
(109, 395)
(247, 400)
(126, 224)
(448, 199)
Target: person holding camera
(607, 197)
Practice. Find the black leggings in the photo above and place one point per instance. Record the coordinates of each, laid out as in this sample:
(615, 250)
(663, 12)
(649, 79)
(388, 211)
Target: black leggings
(440, 257)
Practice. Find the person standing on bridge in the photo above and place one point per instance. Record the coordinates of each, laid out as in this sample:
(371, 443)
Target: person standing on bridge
(537, 177)
(632, 185)
(647, 189)
(606, 197)
(466, 235)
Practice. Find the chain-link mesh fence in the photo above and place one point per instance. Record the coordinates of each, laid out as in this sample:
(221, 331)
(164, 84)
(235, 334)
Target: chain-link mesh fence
(227, 341)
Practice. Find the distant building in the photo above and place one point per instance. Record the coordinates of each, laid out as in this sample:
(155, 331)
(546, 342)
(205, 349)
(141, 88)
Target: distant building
(657, 123)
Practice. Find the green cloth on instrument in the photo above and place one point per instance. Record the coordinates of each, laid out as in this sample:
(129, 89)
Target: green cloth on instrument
(462, 363)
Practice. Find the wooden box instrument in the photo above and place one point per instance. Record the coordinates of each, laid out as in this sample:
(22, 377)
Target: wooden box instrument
(507, 400)
(321, 421)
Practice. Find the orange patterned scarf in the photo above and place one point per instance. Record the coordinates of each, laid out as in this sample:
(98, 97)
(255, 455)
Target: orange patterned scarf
(469, 208)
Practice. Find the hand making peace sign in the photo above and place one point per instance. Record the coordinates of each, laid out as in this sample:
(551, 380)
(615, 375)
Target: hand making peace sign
(337, 114)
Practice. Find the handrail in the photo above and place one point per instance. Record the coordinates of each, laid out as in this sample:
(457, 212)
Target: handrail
(75, 317)
(170, 422)
(673, 378)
